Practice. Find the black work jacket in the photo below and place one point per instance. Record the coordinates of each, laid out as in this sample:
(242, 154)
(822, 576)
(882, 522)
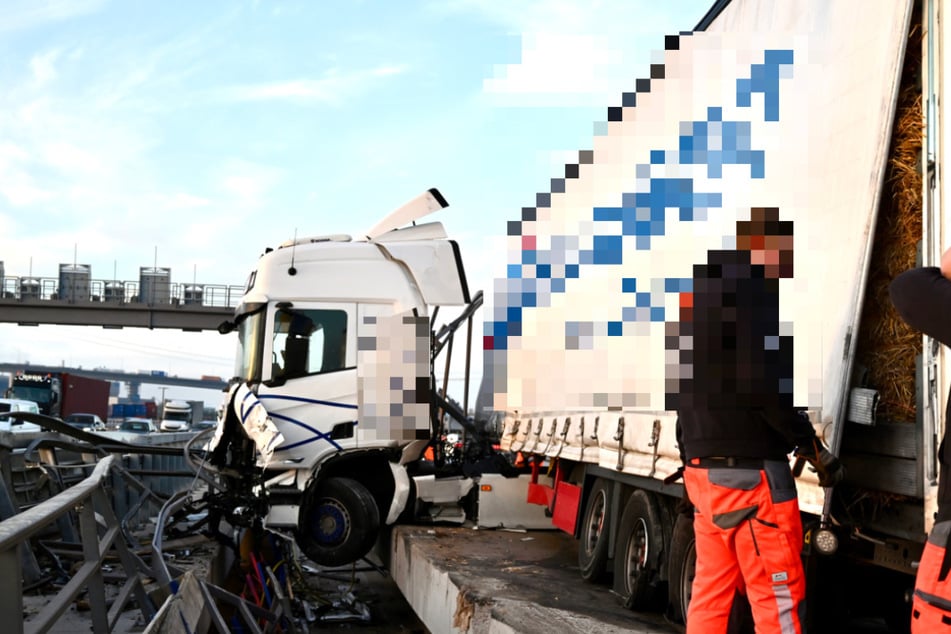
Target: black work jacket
(922, 297)
(735, 394)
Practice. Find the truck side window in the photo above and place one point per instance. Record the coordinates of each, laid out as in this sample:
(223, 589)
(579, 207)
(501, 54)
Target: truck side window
(309, 341)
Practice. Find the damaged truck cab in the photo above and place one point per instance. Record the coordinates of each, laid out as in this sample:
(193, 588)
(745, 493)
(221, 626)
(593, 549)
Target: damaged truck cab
(332, 390)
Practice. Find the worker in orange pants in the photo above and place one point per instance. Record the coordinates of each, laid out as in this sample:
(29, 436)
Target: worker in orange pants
(922, 297)
(931, 605)
(748, 533)
(737, 423)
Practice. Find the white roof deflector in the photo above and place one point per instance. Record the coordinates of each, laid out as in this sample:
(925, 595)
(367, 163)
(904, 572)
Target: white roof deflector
(423, 205)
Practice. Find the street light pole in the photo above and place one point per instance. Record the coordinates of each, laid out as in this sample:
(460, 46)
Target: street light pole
(162, 404)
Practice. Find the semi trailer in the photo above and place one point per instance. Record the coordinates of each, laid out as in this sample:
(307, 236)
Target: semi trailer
(828, 114)
(62, 393)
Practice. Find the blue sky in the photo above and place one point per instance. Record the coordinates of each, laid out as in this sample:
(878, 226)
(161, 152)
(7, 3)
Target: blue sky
(193, 135)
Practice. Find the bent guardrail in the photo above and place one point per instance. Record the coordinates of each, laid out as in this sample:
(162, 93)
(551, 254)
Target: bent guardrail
(100, 536)
(101, 488)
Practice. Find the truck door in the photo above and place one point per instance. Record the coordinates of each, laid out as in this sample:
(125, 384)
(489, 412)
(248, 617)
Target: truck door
(309, 377)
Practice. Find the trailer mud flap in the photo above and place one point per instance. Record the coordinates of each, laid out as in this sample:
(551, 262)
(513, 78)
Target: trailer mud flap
(565, 514)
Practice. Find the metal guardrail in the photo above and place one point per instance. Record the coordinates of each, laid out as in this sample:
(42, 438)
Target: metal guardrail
(100, 536)
(106, 506)
(101, 486)
(121, 292)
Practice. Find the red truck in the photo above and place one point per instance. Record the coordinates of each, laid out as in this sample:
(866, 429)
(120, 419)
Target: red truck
(61, 393)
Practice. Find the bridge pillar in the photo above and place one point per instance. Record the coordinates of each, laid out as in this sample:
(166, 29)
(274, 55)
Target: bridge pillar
(134, 391)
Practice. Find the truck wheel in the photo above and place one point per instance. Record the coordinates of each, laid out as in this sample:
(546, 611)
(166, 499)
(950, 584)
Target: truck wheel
(683, 567)
(593, 548)
(340, 522)
(637, 557)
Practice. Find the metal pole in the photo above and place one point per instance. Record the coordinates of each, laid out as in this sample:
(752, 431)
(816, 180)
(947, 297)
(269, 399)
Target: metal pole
(465, 397)
(95, 586)
(11, 590)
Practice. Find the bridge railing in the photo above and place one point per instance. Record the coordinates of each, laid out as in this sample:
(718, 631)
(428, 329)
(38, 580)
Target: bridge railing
(121, 292)
(100, 536)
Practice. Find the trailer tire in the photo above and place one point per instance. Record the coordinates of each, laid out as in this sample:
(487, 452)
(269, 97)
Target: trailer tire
(340, 522)
(593, 546)
(683, 567)
(638, 553)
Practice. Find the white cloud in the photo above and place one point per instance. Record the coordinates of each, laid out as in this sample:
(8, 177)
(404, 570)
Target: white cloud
(183, 200)
(18, 186)
(10, 152)
(333, 88)
(248, 183)
(20, 190)
(71, 158)
(16, 15)
(43, 66)
(570, 67)
(562, 62)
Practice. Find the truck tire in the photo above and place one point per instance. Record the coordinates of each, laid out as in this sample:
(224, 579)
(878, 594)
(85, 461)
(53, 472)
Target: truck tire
(681, 571)
(682, 568)
(593, 547)
(340, 522)
(638, 553)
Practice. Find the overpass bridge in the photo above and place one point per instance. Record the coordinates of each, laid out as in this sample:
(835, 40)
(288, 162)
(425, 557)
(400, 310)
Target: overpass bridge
(132, 379)
(74, 299)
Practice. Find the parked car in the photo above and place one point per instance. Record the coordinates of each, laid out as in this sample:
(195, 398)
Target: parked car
(137, 426)
(15, 425)
(85, 422)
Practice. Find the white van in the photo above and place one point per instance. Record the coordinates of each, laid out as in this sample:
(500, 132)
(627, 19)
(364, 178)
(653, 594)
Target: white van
(15, 425)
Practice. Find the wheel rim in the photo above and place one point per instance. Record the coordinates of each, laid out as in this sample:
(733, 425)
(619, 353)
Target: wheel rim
(638, 552)
(331, 523)
(594, 526)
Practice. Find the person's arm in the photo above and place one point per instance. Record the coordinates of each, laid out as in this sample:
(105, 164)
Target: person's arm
(794, 426)
(922, 297)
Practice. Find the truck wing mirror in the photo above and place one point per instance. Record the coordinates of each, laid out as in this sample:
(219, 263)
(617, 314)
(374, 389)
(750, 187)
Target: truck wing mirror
(226, 326)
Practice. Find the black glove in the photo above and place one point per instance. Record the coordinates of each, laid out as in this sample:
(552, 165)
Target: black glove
(827, 467)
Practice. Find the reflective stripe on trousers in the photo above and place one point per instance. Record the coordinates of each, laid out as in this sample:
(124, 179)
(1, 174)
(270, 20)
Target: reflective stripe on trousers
(749, 539)
(931, 604)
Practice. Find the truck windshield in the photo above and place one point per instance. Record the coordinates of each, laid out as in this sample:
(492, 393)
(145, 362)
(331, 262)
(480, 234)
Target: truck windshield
(38, 394)
(250, 346)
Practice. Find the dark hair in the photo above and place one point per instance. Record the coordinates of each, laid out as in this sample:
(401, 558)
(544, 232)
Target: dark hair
(764, 221)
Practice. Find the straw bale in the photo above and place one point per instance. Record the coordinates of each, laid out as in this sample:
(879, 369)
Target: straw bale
(887, 347)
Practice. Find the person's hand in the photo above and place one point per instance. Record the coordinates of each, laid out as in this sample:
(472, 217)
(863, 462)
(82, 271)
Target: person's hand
(829, 468)
(946, 264)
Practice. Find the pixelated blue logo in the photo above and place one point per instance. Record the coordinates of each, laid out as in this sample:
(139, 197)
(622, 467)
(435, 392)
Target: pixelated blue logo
(643, 214)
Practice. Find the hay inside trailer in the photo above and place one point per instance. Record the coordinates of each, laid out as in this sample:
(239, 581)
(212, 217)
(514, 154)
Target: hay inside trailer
(882, 461)
(887, 347)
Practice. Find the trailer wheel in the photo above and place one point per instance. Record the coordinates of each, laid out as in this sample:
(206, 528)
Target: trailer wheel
(340, 522)
(683, 567)
(593, 548)
(640, 543)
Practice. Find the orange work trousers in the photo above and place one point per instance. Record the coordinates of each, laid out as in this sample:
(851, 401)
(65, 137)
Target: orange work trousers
(931, 604)
(749, 540)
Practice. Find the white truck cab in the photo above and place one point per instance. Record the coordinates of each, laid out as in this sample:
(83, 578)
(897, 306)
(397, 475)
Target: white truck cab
(333, 378)
(176, 416)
